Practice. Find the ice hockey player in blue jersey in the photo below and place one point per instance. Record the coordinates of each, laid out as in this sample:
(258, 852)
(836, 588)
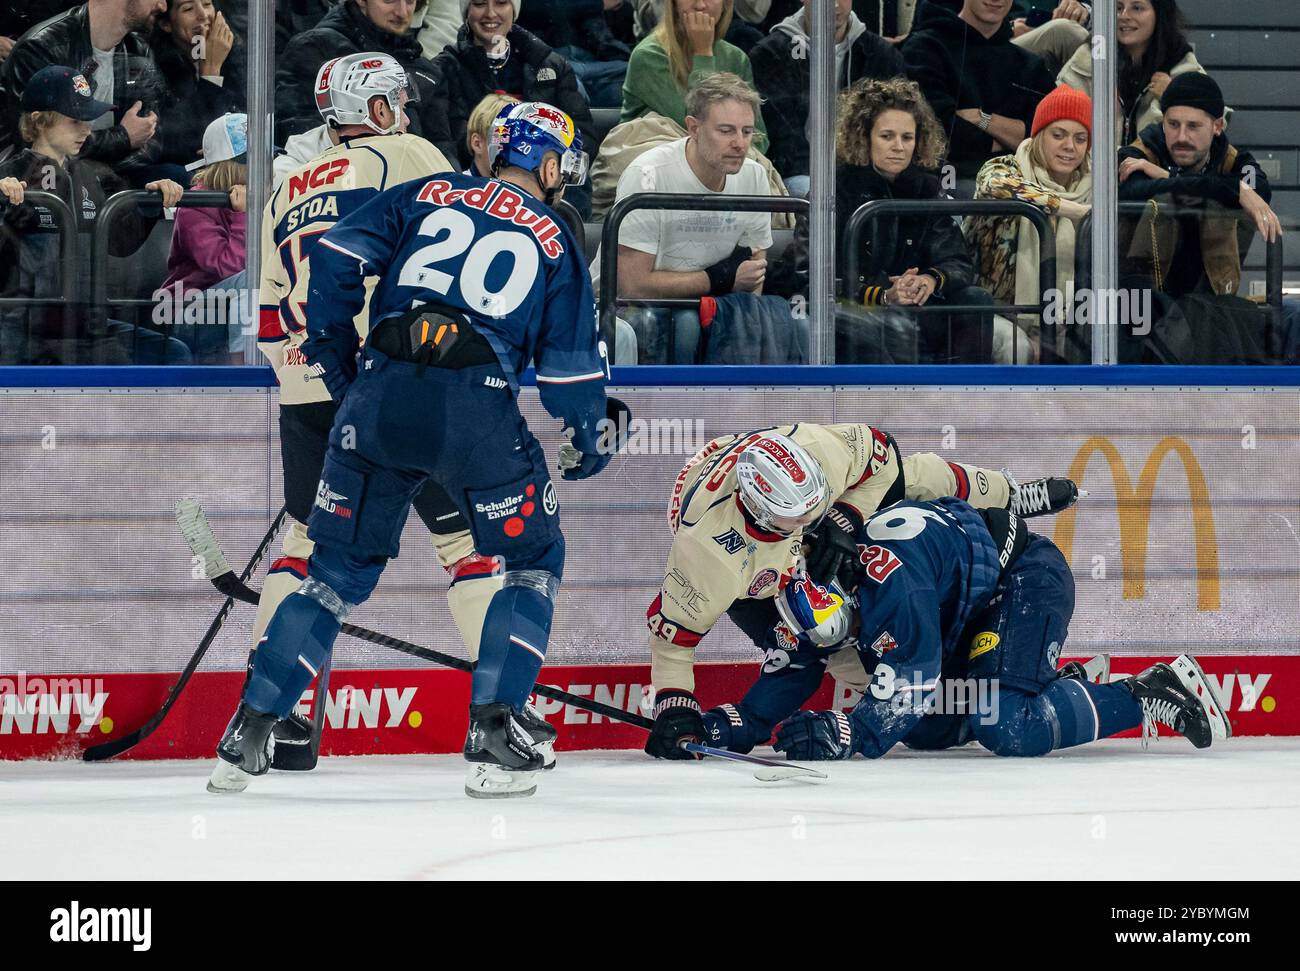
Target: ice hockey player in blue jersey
(477, 279)
(948, 597)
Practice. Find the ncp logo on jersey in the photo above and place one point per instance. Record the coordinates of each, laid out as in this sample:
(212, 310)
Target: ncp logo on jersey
(1134, 507)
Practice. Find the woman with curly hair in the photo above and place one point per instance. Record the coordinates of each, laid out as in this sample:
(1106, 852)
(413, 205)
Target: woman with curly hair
(888, 145)
(685, 46)
(1153, 50)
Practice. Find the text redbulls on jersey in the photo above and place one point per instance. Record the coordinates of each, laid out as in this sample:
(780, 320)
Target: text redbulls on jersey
(486, 248)
(306, 204)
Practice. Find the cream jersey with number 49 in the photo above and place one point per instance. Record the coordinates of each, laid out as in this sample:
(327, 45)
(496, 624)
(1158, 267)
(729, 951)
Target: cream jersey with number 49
(719, 556)
(302, 209)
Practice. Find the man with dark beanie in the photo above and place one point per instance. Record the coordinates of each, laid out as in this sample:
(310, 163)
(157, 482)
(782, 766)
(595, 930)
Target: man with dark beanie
(1189, 245)
(1186, 161)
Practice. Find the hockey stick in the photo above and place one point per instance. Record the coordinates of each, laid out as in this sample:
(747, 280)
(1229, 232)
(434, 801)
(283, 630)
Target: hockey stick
(106, 750)
(203, 542)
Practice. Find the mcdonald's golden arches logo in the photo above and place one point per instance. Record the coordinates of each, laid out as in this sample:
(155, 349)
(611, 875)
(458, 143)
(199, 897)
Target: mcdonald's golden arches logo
(1134, 506)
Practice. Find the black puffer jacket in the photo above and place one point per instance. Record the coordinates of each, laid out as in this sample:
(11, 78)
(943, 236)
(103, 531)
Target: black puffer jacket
(65, 40)
(783, 79)
(533, 72)
(19, 16)
(958, 68)
(192, 101)
(931, 243)
(573, 23)
(346, 30)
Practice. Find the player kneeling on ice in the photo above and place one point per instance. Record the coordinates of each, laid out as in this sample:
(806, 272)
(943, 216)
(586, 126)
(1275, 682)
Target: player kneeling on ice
(946, 593)
(749, 510)
(497, 281)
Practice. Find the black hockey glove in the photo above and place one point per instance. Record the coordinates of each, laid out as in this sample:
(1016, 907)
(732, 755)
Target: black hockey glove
(332, 361)
(832, 545)
(816, 736)
(677, 719)
(722, 274)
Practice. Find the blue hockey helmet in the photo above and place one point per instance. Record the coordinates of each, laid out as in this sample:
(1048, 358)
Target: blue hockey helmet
(522, 134)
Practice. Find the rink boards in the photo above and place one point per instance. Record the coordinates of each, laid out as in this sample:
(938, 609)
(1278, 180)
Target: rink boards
(1189, 541)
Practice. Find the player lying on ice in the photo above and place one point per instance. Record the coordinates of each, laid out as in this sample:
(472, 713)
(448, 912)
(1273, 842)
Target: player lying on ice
(934, 589)
(747, 511)
(949, 596)
(477, 278)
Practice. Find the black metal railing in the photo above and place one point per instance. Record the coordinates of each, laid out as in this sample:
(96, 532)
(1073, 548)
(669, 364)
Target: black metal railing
(1273, 255)
(870, 212)
(610, 300)
(68, 270)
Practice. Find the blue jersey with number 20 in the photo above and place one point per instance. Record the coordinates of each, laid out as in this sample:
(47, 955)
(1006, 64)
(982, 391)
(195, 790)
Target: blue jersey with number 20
(484, 247)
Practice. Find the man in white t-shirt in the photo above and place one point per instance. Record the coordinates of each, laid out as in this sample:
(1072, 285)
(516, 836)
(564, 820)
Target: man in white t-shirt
(679, 254)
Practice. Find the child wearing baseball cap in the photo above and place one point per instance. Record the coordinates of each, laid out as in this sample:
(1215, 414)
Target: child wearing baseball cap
(204, 294)
(57, 112)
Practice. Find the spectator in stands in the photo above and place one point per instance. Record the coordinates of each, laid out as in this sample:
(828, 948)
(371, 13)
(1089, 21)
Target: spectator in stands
(888, 144)
(205, 293)
(982, 87)
(685, 47)
(479, 134)
(1153, 50)
(679, 254)
(203, 64)
(1052, 170)
(743, 32)
(578, 32)
(784, 81)
(19, 16)
(351, 27)
(494, 54)
(1186, 161)
(57, 111)
(438, 25)
(99, 40)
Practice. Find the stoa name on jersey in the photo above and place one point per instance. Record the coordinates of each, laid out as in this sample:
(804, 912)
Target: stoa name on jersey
(500, 202)
(320, 207)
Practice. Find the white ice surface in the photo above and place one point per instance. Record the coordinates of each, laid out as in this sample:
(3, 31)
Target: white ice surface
(1108, 810)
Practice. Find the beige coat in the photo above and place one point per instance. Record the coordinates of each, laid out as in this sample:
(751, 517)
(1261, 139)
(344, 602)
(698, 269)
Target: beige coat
(628, 141)
(1077, 73)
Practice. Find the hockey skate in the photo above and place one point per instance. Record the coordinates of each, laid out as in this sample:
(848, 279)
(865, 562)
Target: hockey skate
(292, 749)
(1039, 497)
(1180, 697)
(541, 732)
(502, 761)
(245, 750)
(1096, 670)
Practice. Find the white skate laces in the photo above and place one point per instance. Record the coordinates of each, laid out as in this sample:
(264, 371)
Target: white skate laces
(1156, 712)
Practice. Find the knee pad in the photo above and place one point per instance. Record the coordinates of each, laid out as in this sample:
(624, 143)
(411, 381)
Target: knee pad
(324, 595)
(474, 581)
(1029, 729)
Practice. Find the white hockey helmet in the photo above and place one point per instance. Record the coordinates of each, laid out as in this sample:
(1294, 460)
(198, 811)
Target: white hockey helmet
(782, 487)
(346, 85)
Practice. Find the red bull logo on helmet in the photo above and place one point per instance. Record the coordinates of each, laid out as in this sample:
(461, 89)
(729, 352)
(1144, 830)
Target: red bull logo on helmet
(821, 603)
(786, 460)
(544, 116)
